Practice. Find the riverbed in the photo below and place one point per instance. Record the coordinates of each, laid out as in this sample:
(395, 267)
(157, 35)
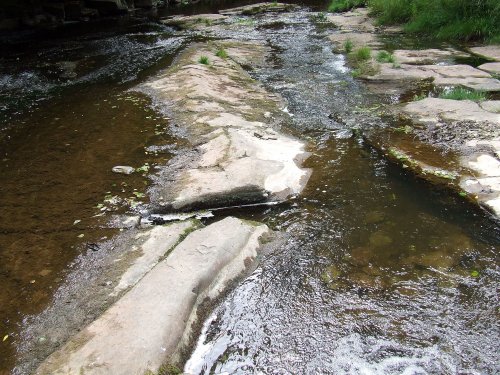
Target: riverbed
(380, 273)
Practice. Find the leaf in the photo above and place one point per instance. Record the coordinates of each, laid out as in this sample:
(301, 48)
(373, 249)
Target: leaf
(5, 338)
(474, 273)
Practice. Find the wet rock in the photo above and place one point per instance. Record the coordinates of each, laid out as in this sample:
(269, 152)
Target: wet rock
(492, 68)
(198, 21)
(125, 221)
(427, 56)
(330, 274)
(375, 217)
(360, 256)
(490, 52)
(442, 75)
(437, 260)
(152, 321)
(380, 239)
(123, 169)
(223, 108)
(252, 9)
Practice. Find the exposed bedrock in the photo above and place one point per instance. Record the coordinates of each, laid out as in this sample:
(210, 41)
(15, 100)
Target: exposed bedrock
(151, 323)
(240, 157)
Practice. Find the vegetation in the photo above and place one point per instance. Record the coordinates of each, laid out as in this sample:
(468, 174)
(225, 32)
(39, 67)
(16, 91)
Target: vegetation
(348, 46)
(203, 60)
(361, 54)
(444, 19)
(319, 17)
(344, 5)
(361, 60)
(459, 93)
(385, 57)
(221, 52)
(364, 68)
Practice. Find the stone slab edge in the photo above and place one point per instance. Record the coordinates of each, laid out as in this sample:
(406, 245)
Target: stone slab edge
(147, 326)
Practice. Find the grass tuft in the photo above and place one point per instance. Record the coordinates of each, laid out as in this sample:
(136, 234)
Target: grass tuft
(459, 93)
(221, 52)
(362, 54)
(203, 60)
(385, 57)
(345, 5)
(348, 46)
(319, 17)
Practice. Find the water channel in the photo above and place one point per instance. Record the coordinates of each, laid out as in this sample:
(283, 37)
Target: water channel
(379, 273)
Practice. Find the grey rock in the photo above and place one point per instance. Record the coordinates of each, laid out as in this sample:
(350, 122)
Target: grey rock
(123, 169)
(152, 321)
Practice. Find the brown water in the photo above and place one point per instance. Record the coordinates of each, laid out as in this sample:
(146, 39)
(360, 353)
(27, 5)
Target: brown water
(380, 273)
(59, 143)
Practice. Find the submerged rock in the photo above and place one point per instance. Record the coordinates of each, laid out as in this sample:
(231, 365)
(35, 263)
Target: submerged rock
(123, 169)
(152, 322)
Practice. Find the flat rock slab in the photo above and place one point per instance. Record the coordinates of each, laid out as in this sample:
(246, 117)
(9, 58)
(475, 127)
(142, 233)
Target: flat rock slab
(144, 329)
(480, 155)
(427, 56)
(489, 52)
(434, 110)
(240, 158)
(491, 106)
(356, 20)
(492, 68)
(252, 9)
(442, 75)
(198, 21)
(358, 39)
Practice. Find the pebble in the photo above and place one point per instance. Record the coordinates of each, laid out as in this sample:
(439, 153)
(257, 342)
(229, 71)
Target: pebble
(123, 169)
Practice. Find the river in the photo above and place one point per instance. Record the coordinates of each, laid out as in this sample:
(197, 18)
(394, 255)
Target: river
(379, 273)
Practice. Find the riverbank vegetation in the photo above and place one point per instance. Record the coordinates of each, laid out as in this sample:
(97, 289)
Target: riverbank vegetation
(444, 19)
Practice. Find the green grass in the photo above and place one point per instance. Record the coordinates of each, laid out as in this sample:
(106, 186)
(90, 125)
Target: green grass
(203, 60)
(221, 52)
(443, 19)
(385, 57)
(361, 54)
(345, 5)
(348, 46)
(363, 69)
(459, 93)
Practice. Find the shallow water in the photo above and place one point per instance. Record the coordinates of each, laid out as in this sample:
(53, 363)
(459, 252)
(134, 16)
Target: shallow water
(379, 274)
(62, 132)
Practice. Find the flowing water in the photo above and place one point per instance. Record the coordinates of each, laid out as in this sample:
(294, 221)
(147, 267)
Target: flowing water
(378, 273)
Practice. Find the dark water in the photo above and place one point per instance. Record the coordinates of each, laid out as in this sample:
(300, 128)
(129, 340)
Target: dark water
(379, 274)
